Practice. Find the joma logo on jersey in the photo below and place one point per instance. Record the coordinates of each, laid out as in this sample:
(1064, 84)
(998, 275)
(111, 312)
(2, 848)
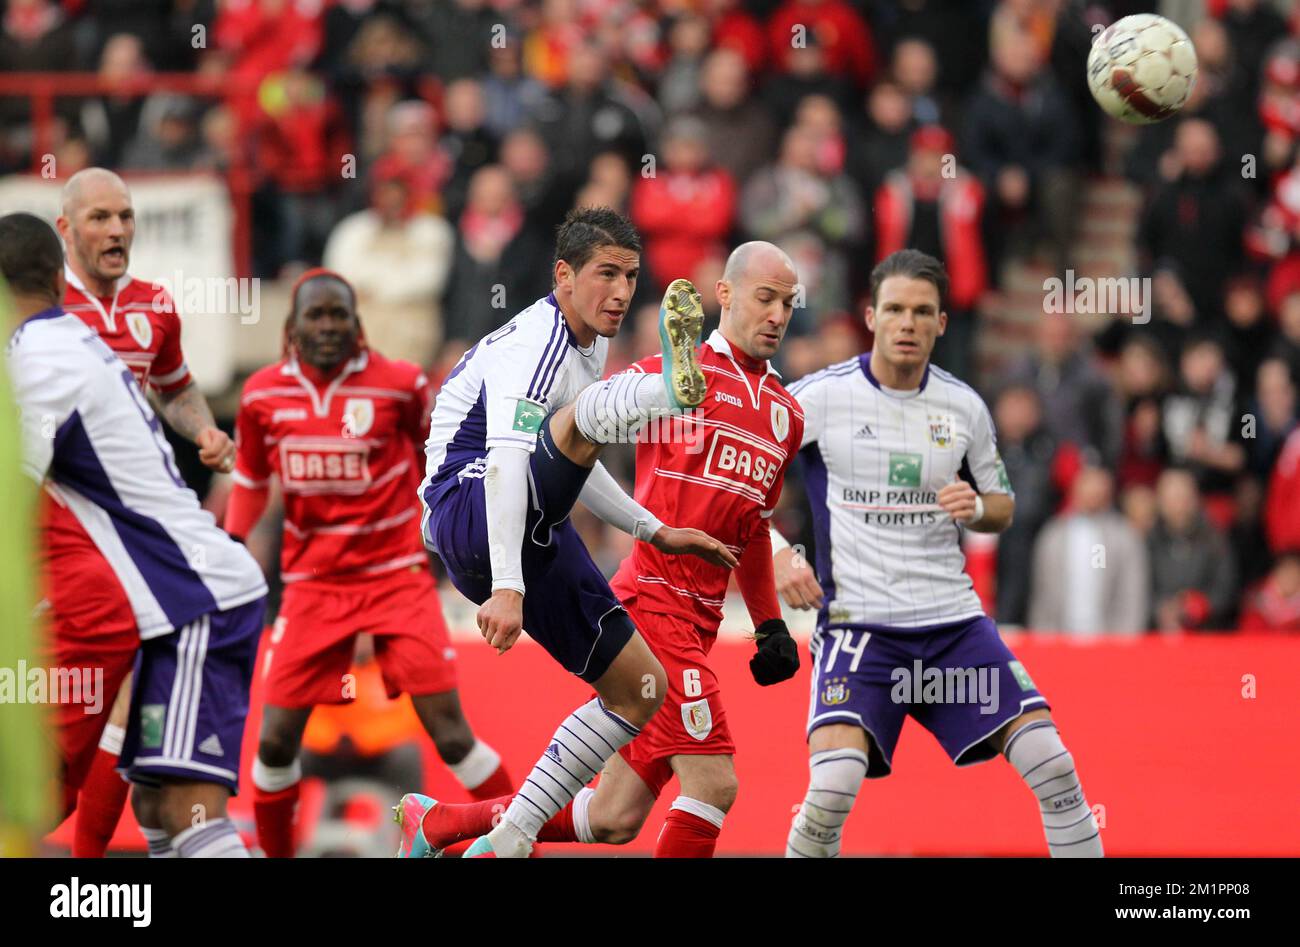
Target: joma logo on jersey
(738, 459)
(323, 465)
(728, 398)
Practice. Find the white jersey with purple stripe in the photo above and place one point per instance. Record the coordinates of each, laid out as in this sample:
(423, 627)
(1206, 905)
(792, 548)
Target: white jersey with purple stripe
(874, 462)
(502, 389)
(88, 428)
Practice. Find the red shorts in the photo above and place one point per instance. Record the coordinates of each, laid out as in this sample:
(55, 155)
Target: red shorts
(94, 635)
(692, 721)
(312, 641)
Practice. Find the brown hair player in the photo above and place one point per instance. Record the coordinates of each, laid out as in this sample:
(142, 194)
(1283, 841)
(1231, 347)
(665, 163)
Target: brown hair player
(343, 428)
(138, 321)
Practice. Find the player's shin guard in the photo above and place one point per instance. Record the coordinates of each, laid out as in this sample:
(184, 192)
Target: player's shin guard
(690, 830)
(102, 799)
(607, 412)
(275, 806)
(216, 839)
(1046, 766)
(577, 753)
(481, 773)
(835, 776)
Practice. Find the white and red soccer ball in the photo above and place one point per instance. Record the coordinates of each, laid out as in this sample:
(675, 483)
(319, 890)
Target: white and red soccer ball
(1141, 69)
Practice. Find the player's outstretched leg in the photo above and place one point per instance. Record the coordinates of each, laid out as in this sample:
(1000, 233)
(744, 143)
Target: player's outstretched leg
(277, 777)
(1033, 746)
(579, 749)
(608, 411)
(837, 765)
(103, 794)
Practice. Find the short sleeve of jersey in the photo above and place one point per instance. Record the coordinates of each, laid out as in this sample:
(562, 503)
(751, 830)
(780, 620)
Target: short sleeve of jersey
(811, 395)
(521, 366)
(794, 444)
(982, 458)
(45, 381)
(252, 466)
(169, 371)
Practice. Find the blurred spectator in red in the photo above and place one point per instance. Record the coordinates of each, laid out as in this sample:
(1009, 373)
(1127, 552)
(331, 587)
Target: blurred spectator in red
(466, 141)
(1026, 448)
(548, 46)
(679, 82)
(884, 140)
(1282, 510)
(34, 37)
(915, 70)
(685, 209)
(398, 261)
(836, 26)
(1201, 421)
(1021, 138)
(510, 96)
(1090, 571)
(935, 206)
(735, 29)
(302, 149)
(1279, 107)
(1193, 573)
(111, 120)
(589, 114)
(1198, 217)
(740, 131)
(1142, 378)
(413, 153)
(812, 211)
(1079, 405)
(497, 263)
(1274, 236)
(459, 33)
(1274, 604)
(263, 37)
(1274, 411)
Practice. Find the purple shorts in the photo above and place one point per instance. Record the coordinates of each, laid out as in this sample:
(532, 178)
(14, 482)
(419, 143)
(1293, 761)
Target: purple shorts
(959, 681)
(189, 700)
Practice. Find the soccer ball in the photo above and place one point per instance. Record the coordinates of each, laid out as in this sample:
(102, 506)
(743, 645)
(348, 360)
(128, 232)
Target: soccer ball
(1141, 69)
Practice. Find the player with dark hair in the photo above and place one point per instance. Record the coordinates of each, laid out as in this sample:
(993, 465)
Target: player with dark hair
(515, 440)
(899, 456)
(343, 429)
(198, 598)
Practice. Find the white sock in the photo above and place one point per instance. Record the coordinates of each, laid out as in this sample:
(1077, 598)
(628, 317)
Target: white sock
(215, 839)
(160, 843)
(582, 815)
(1046, 766)
(701, 810)
(577, 753)
(609, 412)
(110, 741)
(275, 778)
(477, 766)
(834, 778)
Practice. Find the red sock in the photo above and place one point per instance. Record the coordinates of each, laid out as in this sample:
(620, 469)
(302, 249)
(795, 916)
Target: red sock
(99, 807)
(448, 823)
(276, 815)
(495, 786)
(559, 828)
(686, 835)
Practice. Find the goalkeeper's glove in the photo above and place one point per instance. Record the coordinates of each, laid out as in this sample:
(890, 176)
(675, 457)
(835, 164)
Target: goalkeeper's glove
(777, 659)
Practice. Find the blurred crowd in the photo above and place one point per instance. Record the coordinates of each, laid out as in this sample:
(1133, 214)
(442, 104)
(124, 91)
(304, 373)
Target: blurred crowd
(427, 149)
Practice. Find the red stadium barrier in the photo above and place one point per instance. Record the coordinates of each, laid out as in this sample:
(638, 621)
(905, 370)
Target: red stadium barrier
(1179, 759)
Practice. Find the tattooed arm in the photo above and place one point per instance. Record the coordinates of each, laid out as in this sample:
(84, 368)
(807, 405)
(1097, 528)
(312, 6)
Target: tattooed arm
(188, 413)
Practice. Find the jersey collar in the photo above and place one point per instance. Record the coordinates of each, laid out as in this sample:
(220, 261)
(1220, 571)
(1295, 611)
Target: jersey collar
(865, 361)
(110, 315)
(568, 333)
(52, 313)
(718, 342)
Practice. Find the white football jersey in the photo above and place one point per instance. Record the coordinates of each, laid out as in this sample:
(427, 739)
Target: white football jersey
(504, 387)
(874, 462)
(88, 427)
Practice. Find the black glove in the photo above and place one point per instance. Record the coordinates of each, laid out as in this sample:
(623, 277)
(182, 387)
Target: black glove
(777, 659)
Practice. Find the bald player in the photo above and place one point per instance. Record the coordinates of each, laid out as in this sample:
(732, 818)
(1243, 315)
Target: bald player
(718, 469)
(138, 321)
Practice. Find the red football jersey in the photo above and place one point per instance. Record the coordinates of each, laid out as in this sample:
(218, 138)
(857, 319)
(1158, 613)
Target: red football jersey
(139, 323)
(348, 456)
(718, 469)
